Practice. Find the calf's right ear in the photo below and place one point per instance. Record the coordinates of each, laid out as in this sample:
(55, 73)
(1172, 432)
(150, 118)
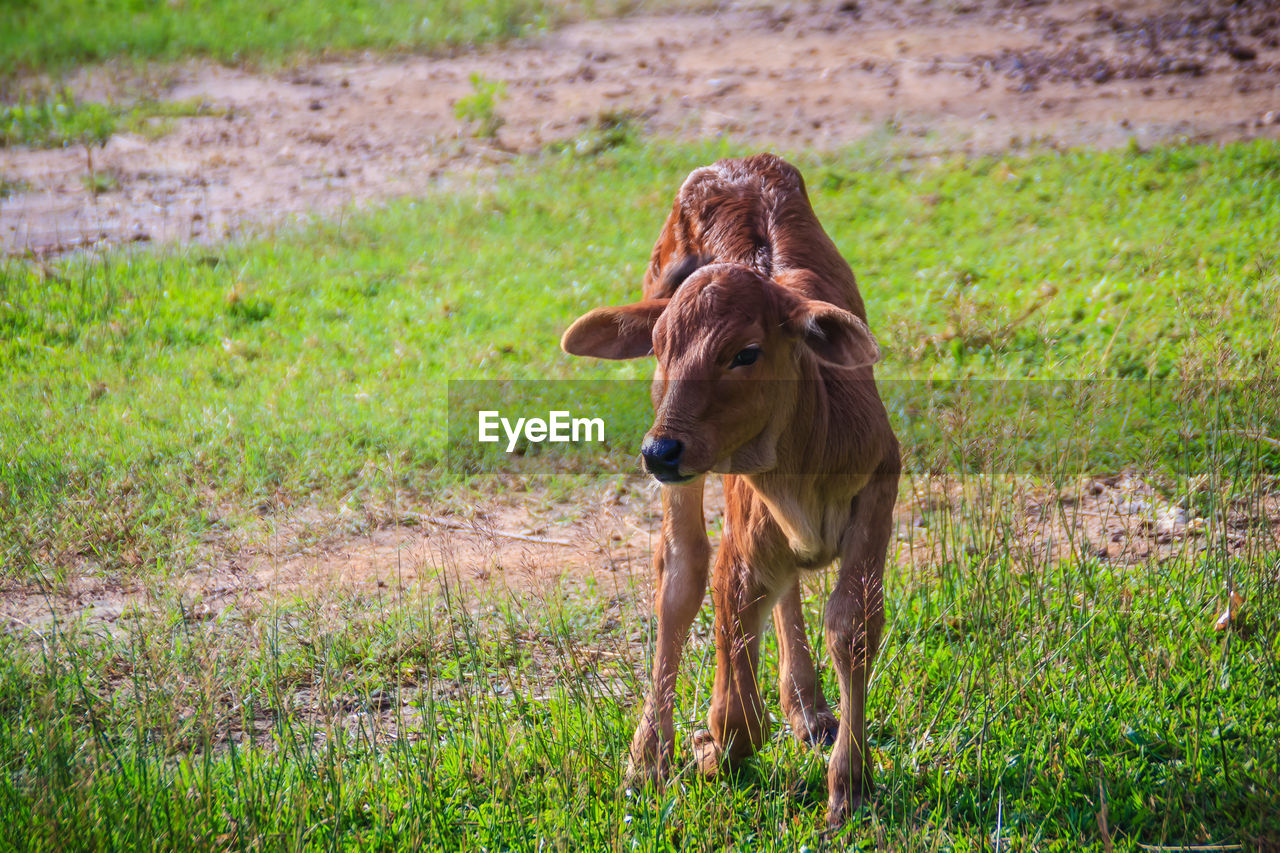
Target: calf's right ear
(625, 331)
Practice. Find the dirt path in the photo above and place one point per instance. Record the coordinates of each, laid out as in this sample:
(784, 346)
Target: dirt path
(970, 77)
(597, 550)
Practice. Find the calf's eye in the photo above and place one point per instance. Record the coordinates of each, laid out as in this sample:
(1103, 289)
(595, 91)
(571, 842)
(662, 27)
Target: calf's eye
(746, 357)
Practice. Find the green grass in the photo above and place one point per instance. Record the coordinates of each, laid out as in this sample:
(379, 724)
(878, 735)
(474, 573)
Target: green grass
(10, 187)
(53, 122)
(60, 119)
(480, 108)
(150, 399)
(1009, 702)
(54, 35)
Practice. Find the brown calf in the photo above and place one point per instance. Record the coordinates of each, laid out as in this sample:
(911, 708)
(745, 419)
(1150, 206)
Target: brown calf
(764, 375)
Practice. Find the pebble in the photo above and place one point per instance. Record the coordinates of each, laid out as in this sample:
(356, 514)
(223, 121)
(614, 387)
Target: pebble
(1172, 520)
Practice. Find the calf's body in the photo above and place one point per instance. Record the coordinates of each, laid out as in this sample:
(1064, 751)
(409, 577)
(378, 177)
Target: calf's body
(764, 375)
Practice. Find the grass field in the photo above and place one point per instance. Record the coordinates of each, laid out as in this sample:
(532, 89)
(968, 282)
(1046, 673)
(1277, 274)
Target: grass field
(55, 35)
(153, 399)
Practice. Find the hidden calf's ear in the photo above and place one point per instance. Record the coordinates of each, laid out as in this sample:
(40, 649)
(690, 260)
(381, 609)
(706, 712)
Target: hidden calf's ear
(834, 334)
(624, 331)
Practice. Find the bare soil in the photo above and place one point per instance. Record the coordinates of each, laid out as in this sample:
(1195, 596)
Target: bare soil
(959, 76)
(598, 551)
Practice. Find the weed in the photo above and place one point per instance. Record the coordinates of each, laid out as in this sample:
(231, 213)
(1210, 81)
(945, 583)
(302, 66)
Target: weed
(610, 129)
(61, 119)
(12, 187)
(480, 108)
(154, 118)
(56, 121)
(100, 181)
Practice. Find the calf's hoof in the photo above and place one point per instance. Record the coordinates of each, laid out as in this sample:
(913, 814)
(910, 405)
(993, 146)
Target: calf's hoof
(640, 775)
(817, 731)
(845, 802)
(707, 755)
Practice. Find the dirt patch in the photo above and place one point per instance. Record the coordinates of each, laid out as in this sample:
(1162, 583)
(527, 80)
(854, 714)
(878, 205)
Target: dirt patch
(597, 552)
(518, 546)
(968, 77)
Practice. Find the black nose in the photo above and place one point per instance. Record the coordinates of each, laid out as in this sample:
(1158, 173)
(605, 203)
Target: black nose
(662, 458)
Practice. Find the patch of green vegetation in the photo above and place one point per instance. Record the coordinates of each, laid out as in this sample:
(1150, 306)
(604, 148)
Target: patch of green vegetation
(101, 181)
(55, 121)
(155, 118)
(52, 35)
(609, 129)
(60, 119)
(1025, 705)
(480, 108)
(12, 187)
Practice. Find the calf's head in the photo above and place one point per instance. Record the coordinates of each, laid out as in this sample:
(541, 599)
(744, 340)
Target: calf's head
(734, 349)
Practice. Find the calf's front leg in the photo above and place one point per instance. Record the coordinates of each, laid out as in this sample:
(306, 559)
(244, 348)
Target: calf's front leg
(854, 622)
(680, 566)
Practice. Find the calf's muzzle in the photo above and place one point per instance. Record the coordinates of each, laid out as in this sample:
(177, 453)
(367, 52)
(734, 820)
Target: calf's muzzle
(662, 458)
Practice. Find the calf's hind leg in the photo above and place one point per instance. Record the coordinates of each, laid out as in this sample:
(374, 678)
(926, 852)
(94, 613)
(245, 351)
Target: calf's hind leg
(738, 722)
(802, 700)
(854, 621)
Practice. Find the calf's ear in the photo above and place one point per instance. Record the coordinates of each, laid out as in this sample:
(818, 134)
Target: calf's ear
(834, 334)
(624, 331)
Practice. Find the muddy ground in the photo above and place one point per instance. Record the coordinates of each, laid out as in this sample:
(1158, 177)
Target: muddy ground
(933, 77)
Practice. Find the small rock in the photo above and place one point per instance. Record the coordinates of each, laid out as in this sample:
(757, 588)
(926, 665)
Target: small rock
(1183, 66)
(1242, 52)
(1127, 506)
(720, 87)
(1172, 520)
(380, 700)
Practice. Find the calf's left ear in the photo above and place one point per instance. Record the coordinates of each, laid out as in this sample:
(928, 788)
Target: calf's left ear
(625, 331)
(834, 334)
